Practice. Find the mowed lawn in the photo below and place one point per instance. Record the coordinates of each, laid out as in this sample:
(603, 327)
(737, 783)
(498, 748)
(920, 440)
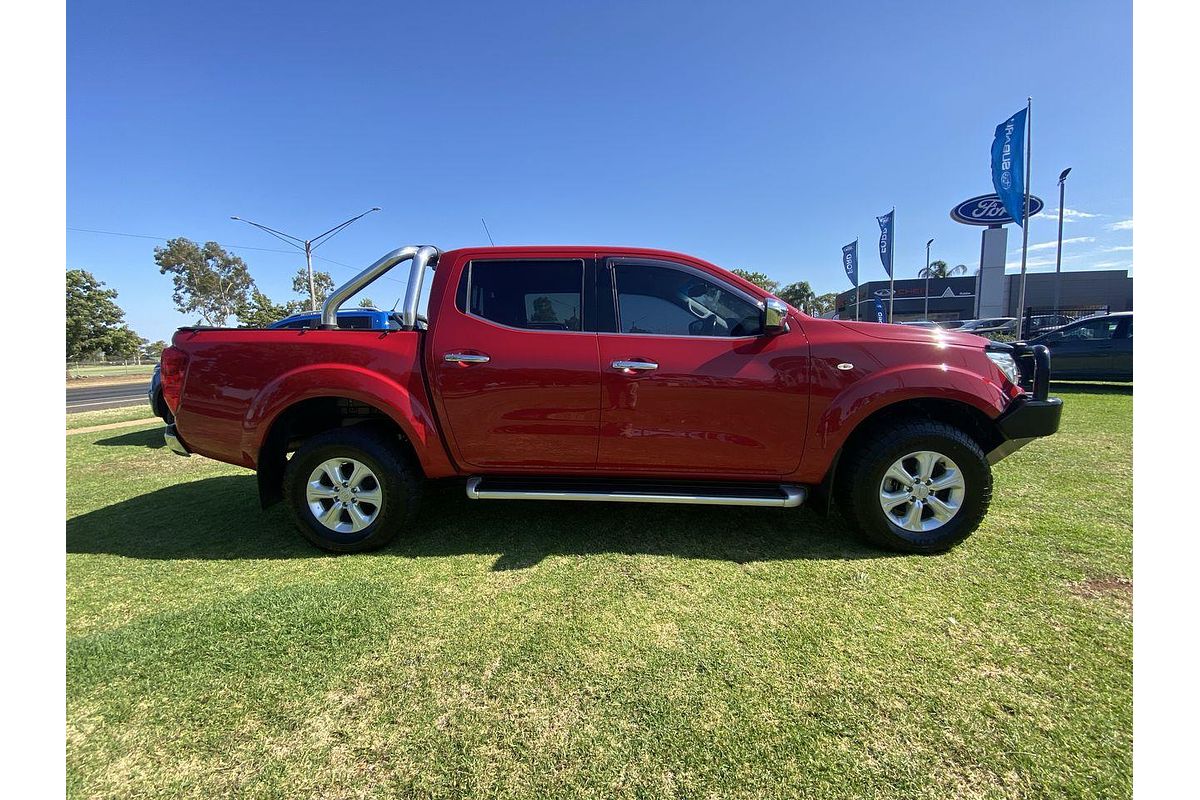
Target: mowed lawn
(576, 650)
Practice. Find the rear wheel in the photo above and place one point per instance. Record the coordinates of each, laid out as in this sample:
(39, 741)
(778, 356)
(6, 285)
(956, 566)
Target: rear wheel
(920, 487)
(351, 489)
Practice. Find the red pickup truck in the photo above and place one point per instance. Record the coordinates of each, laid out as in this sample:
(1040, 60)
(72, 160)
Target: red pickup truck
(605, 374)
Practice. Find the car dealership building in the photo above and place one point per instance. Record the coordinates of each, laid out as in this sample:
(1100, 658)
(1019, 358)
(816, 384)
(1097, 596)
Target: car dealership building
(960, 297)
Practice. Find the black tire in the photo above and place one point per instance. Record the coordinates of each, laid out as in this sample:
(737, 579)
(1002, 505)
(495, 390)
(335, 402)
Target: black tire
(861, 477)
(398, 478)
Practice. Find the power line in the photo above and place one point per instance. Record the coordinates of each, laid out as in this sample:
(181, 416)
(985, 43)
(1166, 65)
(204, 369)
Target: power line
(230, 246)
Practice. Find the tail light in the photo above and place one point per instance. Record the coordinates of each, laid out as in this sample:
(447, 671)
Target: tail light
(171, 371)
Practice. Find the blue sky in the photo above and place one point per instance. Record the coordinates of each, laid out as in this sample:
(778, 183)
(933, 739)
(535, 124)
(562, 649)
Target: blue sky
(755, 135)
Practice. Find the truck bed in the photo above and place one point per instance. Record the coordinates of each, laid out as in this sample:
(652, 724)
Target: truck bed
(238, 380)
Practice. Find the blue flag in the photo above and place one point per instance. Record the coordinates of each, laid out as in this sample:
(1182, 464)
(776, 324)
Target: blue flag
(850, 261)
(1008, 164)
(879, 316)
(885, 240)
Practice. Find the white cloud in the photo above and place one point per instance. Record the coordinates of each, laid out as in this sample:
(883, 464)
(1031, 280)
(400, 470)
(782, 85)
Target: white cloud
(1125, 248)
(1049, 245)
(1069, 214)
(1123, 225)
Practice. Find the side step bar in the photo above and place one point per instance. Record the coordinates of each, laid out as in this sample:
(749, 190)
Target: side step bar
(770, 495)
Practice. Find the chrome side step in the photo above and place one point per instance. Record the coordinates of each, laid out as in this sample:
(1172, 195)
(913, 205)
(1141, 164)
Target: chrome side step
(631, 491)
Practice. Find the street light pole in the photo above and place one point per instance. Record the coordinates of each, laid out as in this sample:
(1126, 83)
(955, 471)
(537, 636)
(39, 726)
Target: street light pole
(308, 245)
(927, 245)
(1062, 194)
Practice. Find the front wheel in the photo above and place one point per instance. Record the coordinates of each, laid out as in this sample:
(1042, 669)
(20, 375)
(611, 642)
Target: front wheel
(920, 487)
(351, 489)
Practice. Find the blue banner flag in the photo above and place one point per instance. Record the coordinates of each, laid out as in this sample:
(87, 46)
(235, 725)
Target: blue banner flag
(850, 261)
(879, 315)
(1008, 164)
(885, 240)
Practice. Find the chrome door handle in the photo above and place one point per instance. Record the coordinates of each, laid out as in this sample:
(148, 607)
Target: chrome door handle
(635, 366)
(466, 358)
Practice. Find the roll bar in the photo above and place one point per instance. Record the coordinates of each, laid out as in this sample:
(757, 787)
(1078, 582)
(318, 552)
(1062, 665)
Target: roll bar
(423, 256)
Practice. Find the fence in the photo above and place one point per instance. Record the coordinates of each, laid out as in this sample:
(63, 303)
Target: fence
(1042, 320)
(110, 369)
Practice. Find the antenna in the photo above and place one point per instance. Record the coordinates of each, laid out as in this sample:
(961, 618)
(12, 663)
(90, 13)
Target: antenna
(488, 232)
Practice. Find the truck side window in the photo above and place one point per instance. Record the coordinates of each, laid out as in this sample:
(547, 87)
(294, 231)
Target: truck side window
(537, 295)
(675, 302)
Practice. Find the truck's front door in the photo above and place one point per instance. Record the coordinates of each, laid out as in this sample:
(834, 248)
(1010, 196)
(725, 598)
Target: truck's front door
(516, 374)
(690, 384)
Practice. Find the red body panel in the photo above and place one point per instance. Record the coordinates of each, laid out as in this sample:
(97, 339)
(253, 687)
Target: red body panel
(767, 407)
(239, 381)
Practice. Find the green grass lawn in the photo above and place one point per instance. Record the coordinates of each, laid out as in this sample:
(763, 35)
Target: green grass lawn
(110, 370)
(574, 650)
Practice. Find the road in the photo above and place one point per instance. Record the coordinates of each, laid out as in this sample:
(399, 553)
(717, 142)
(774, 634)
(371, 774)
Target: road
(95, 398)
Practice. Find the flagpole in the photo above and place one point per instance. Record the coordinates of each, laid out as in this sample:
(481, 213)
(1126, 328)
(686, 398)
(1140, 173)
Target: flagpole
(1025, 222)
(892, 270)
(856, 303)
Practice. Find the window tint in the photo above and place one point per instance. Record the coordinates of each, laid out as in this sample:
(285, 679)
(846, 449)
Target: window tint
(355, 322)
(539, 295)
(675, 302)
(1089, 331)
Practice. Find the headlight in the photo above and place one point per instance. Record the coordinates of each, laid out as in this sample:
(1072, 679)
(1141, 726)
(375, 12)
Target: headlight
(1007, 365)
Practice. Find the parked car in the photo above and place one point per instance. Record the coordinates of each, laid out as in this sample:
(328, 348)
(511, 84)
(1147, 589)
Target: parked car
(604, 374)
(990, 325)
(155, 395)
(361, 318)
(951, 324)
(1038, 324)
(919, 323)
(1091, 349)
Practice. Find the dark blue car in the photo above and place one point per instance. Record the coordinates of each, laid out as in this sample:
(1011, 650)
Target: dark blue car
(1091, 349)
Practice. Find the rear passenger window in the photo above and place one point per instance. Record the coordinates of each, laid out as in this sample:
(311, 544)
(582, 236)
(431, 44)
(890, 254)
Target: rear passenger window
(537, 295)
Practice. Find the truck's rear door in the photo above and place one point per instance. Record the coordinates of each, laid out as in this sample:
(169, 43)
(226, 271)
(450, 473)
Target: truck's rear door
(513, 367)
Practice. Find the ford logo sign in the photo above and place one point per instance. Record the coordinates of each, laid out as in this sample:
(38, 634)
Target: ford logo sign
(988, 210)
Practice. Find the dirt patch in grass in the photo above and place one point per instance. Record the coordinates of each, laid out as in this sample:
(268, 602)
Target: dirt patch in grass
(1105, 586)
(112, 425)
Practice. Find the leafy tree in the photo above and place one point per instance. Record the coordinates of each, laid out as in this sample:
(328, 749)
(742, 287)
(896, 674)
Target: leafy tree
(824, 303)
(153, 350)
(260, 311)
(123, 343)
(322, 283)
(758, 279)
(208, 280)
(366, 302)
(799, 294)
(939, 269)
(95, 323)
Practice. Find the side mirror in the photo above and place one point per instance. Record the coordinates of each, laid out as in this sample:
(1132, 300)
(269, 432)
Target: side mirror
(774, 316)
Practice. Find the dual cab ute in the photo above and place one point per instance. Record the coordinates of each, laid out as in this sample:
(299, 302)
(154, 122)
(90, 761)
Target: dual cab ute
(604, 374)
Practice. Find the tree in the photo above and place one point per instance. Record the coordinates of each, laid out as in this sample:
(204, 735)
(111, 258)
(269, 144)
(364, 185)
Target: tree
(95, 323)
(260, 311)
(938, 269)
(824, 303)
(799, 294)
(322, 282)
(758, 279)
(208, 280)
(366, 302)
(153, 350)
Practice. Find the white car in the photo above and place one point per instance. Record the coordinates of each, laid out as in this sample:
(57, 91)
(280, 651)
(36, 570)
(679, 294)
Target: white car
(990, 325)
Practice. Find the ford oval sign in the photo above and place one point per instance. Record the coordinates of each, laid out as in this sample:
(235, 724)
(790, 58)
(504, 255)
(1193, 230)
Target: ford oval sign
(988, 210)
